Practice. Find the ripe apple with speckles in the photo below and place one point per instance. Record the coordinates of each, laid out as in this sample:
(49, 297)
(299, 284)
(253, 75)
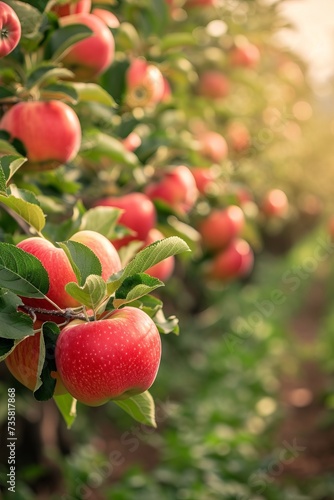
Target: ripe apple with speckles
(113, 358)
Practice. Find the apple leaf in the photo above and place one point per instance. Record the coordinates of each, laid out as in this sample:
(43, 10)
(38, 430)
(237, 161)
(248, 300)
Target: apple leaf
(91, 92)
(101, 219)
(140, 407)
(63, 38)
(166, 325)
(59, 91)
(67, 407)
(149, 304)
(84, 262)
(146, 258)
(7, 94)
(46, 72)
(91, 294)
(9, 165)
(22, 273)
(31, 20)
(46, 384)
(3, 184)
(13, 323)
(96, 144)
(29, 212)
(177, 40)
(127, 252)
(134, 287)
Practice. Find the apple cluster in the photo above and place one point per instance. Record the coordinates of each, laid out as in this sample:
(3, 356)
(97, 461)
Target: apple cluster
(232, 256)
(160, 119)
(113, 356)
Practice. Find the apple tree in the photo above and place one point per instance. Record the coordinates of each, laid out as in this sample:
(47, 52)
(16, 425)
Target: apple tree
(130, 133)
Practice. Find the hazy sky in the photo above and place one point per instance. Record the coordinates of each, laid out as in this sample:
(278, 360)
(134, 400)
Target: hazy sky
(314, 37)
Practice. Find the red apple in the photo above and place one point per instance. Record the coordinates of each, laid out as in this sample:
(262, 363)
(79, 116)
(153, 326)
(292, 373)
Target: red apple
(132, 141)
(164, 269)
(246, 55)
(107, 17)
(177, 188)
(139, 215)
(59, 270)
(23, 362)
(92, 56)
(242, 193)
(213, 146)
(74, 7)
(102, 248)
(221, 226)
(10, 29)
(201, 3)
(213, 84)
(49, 130)
(204, 178)
(234, 262)
(145, 84)
(112, 358)
(275, 203)
(238, 136)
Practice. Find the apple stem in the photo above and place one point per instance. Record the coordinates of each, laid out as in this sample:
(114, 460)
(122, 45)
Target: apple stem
(67, 314)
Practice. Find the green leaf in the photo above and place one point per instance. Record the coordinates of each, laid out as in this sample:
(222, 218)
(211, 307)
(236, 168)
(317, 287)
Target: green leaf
(10, 165)
(128, 252)
(98, 144)
(60, 91)
(46, 384)
(91, 294)
(63, 38)
(148, 257)
(134, 287)
(46, 72)
(7, 94)
(29, 212)
(39, 4)
(5, 146)
(13, 323)
(176, 40)
(84, 262)
(166, 325)
(149, 304)
(67, 407)
(102, 220)
(140, 407)
(31, 21)
(3, 183)
(91, 92)
(22, 273)
(11, 146)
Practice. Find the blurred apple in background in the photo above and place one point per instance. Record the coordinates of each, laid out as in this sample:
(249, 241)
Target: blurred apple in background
(221, 226)
(93, 55)
(213, 146)
(139, 215)
(145, 84)
(245, 54)
(235, 261)
(176, 187)
(213, 84)
(275, 203)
